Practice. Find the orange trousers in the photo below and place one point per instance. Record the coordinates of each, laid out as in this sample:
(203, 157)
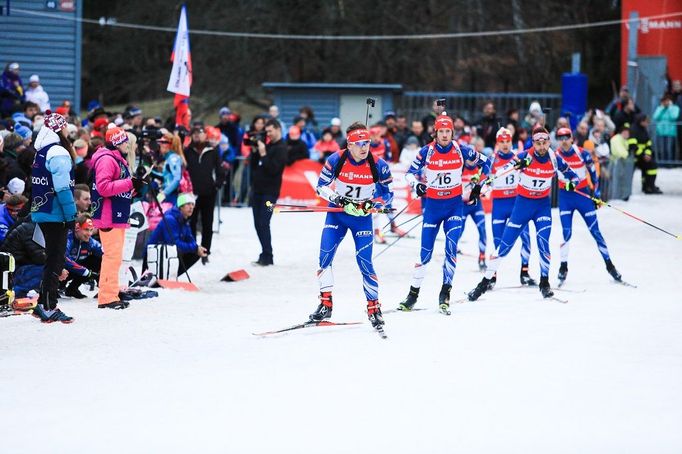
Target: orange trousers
(112, 245)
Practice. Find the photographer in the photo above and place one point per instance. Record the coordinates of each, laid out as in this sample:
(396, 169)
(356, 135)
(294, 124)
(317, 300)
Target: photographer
(267, 166)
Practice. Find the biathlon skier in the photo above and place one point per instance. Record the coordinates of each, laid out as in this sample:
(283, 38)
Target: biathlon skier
(581, 162)
(537, 166)
(360, 179)
(443, 159)
(504, 191)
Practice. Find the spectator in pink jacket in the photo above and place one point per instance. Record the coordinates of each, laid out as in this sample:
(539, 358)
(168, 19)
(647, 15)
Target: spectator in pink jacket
(112, 192)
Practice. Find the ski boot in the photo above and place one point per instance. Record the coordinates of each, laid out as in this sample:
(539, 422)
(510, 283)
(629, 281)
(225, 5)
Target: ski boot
(379, 237)
(525, 277)
(481, 262)
(480, 289)
(410, 301)
(563, 272)
(374, 314)
(444, 299)
(324, 310)
(397, 230)
(613, 271)
(493, 281)
(544, 287)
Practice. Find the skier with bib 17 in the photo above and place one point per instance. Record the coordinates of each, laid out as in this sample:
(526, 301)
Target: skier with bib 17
(537, 166)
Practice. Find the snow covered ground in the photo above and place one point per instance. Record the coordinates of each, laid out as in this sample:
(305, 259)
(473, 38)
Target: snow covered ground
(511, 373)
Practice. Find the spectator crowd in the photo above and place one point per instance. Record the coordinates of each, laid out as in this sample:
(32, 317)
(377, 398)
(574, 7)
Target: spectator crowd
(112, 159)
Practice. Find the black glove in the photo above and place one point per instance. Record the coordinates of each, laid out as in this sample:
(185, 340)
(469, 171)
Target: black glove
(138, 184)
(522, 163)
(420, 188)
(475, 195)
(341, 201)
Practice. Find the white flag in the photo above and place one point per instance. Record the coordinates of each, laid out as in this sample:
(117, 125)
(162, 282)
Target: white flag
(181, 75)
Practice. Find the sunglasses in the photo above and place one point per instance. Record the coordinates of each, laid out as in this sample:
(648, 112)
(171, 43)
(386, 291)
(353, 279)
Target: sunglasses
(362, 143)
(563, 137)
(162, 141)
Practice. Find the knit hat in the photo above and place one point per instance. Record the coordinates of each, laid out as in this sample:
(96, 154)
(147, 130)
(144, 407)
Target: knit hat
(116, 136)
(336, 121)
(34, 78)
(224, 111)
(23, 131)
(16, 186)
(185, 198)
(54, 121)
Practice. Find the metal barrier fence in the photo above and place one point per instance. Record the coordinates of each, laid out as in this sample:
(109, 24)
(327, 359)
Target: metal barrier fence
(417, 104)
(668, 150)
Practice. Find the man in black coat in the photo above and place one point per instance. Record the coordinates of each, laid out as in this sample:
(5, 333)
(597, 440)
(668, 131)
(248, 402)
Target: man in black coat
(207, 175)
(267, 166)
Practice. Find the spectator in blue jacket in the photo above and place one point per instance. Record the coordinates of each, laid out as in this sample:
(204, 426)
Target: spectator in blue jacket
(174, 229)
(83, 256)
(11, 90)
(9, 212)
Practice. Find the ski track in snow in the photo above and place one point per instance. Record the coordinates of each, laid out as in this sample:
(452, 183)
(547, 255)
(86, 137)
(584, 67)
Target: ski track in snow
(511, 373)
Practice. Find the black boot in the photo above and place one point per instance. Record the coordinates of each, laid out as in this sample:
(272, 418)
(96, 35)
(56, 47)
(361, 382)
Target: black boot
(374, 314)
(563, 271)
(480, 289)
(410, 301)
(493, 281)
(613, 271)
(544, 287)
(324, 310)
(73, 291)
(525, 277)
(444, 299)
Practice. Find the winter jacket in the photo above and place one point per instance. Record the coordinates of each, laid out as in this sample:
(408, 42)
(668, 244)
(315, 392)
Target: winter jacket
(57, 162)
(266, 171)
(172, 174)
(665, 118)
(77, 251)
(6, 222)
(174, 229)
(109, 182)
(20, 244)
(204, 169)
(39, 96)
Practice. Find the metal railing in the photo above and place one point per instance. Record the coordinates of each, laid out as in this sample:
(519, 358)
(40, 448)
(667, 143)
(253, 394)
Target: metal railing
(417, 104)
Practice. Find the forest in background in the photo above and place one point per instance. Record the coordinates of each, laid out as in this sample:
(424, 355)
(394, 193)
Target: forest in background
(126, 65)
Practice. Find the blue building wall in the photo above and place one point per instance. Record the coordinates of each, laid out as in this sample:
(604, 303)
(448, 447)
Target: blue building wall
(45, 45)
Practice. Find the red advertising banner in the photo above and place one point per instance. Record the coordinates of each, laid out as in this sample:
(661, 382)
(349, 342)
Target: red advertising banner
(655, 36)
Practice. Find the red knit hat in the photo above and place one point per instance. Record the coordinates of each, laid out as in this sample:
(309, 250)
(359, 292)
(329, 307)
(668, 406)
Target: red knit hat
(54, 121)
(116, 136)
